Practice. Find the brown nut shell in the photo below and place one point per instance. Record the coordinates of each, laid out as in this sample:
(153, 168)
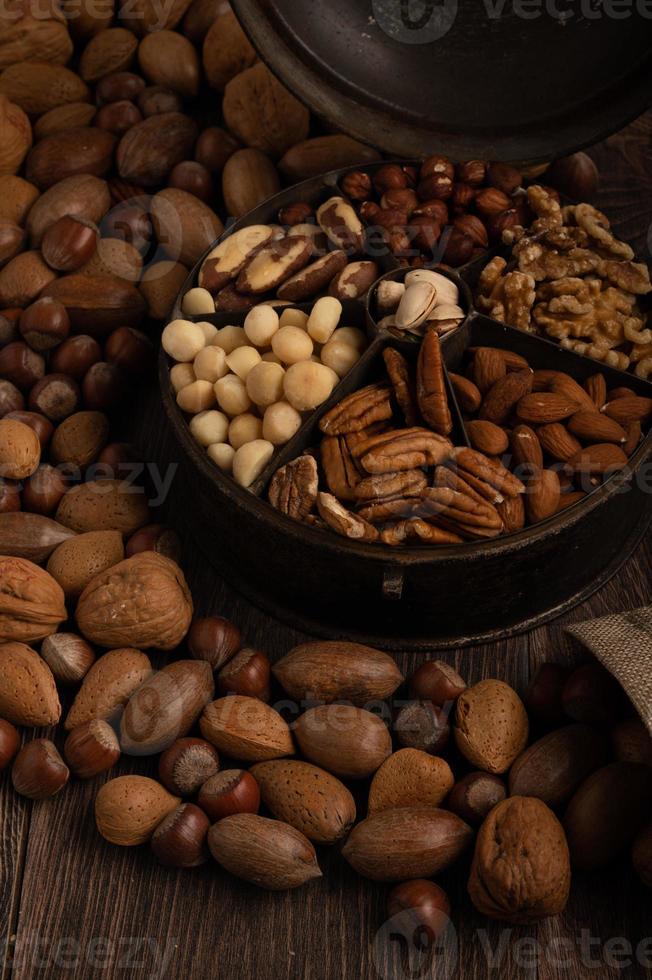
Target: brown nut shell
(338, 671)
(491, 726)
(350, 742)
(129, 809)
(410, 777)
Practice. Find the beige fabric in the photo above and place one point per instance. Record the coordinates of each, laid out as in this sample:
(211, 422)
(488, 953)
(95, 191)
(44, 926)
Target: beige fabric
(623, 643)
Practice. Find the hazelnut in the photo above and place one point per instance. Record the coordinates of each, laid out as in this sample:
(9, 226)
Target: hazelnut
(155, 537)
(412, 175)
(68, 656)
(91, 749)
(472, 172)
(130, 349)
(193, 178)
(11, 400)
(104, 386)
(389, 177)
(437, 682)
(8, 330)
(422, 905)
(473, 227)
(228, 792)
(475, 795)
(295, 214)
(214, 148)
(129, 222)
(542, 698)
(248, 674)
(421, 725)
(44, 489)
(424, 232)
(459, 248)
(433, 209)
(179, 841)
(41, 426)
(462, 198)
(214, 639)
(438, 186)
(505, 177)
(9, 743)
(75, 356)
(69, 243)
(186, 765)
(118, 117)
(118, 86)
(156, 99)
(21, 365)
(437, 165)
(369, 211)
(56, 396)
(357, 186)
(118, 457)
(490, 201)
(44, 324)
(39, 771)
(498, 224)
(592, 695)
(403, 199)
(9, 496)
(576, 176)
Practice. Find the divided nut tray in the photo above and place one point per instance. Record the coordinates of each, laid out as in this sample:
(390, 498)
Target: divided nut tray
(417, 597)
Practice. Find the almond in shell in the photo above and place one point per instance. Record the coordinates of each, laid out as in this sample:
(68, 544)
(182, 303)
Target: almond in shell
(184, 225)
(108, 685)
(34, 32)
(80, 438)
(78, 560)
(267, 853)
(72, 115)
(350, 742)
(410, 777)
(16, 136)
(31, 601)
(323, 153)
(246, 728)
(104, 505)
(17, 196)
(491, 725)
(306, 797)
(129, 809)
(28, 693)
(37, 86)
(226, 51)
(23, 279)
(407, 842)
(338, 671)
(160, 285)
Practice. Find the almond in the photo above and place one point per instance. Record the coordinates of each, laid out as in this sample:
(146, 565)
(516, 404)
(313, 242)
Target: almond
(526, 449)
(553, 767)
(488, 368)
(323, 153)
(557, 441)
(37, 86)
(80, 438)
(115, 259)
(246, 728)
(630, 408)
(111, 50)
(23, 279)
(108, 685)
(104, 505)
(542, 496)
(143, 602)
(503, 396)
(78, 560)
(569, 500)
(165, 707)
(129, 809)
(596, 427)
(410, 778)
(28, 693)
(82, 196)
(542, 407)
(184, 225)
(634, 433)
(306, 797)
(88, 150)
(563, 384)
(491, 726)
(150, 149)
(338, 671)
(347, 741)
(408, 842)
(97, 304)
(31, 602)
(265, 852)
(596, 388)
(487, 438)
(249, 178)
(72, 115)
(468, 395)
(31, 536)
(597, 460)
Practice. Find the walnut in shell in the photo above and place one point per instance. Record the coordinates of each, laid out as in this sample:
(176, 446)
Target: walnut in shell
(31, 601)
(262, 113)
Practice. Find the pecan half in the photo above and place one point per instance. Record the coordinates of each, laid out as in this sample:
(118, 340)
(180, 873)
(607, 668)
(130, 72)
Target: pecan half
(342, 521)
(461, 509)
(512, 512)
(471, 463)
(358, 411)
(403, 449)
(409, 483)
(399, 374)
(341, 473)
(431, 385)
(293, 488)
(417, 530)
(381, 511)
(473, 487)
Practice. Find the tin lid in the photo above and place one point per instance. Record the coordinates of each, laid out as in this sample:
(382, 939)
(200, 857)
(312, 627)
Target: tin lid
(521, 80)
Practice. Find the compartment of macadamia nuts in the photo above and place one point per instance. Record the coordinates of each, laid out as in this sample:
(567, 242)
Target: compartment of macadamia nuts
(247, 382)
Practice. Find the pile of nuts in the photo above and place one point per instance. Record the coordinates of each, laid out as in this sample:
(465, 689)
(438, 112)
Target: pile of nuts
(571, 279)
(263, 375)
(387, 470)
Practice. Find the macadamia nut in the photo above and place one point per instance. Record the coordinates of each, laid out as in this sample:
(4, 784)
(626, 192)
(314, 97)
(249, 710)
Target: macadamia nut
(292, 344)
(222, 455)
(198, 302)
(339, 356)
(196, 397)
(250, 461)
(265, 384)
(229, 338)
(271, 357)
(182, 375)
(280, 423)
(244, 428)
(260, 325)
(324, 318)
(294, 318)
(183, 340)
(232, 395)
(352, 336)
(209, 427)
(242, 360)
(307, 385)
(210, 364)
(210, 331)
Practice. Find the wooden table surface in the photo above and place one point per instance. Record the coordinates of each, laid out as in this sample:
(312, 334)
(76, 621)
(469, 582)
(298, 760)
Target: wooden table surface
(72, 906)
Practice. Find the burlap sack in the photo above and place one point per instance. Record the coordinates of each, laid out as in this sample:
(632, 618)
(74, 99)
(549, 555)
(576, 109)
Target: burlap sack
(623, 643)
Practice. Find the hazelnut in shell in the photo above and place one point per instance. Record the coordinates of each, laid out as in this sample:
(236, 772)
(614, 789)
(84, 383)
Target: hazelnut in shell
(44, 489)
(187, 764)
(68, 656)
(56, 396)
(438, 682)
(214, 639)
(179, 841)
(420, 904)
(76, 356)
(44, 324)
(421, 725)
(248, 673)
(475, 795)
(228, 792)
(20, 450)
(39, 771)
(9, 496)
(91, 749)
(69, 243)
(155, 537)
(9, 743)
